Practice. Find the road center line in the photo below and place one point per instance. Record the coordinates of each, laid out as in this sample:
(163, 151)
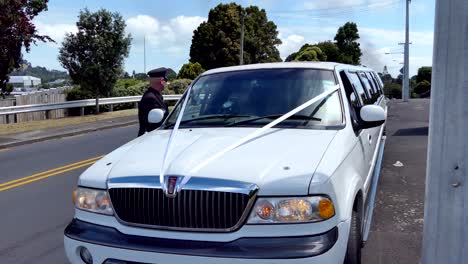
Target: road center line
(48, 173)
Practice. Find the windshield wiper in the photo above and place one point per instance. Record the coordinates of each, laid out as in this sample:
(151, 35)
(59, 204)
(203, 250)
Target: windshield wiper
(293, 117)
(207, 117)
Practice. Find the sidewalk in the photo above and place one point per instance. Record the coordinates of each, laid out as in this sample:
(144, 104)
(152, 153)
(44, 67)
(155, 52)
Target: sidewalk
(16, 139)
(396, 231)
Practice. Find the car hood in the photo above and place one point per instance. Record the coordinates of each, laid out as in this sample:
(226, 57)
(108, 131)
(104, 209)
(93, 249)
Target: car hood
(280, 162)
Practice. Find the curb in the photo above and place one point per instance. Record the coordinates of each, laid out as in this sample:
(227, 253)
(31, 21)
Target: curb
(67, 134)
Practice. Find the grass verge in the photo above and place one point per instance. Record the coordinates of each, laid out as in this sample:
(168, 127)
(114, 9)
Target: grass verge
(6, 129)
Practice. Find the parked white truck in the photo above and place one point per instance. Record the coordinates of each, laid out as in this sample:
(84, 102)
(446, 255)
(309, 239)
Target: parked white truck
(266, 163)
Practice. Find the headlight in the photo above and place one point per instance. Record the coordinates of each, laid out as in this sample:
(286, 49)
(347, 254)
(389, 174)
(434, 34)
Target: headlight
(291, 210)
(96, 201)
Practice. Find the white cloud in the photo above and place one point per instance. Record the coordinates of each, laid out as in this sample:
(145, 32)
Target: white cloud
(170, 35)
(185, 25)
(56, 31)
(142, 25)
(290, 44)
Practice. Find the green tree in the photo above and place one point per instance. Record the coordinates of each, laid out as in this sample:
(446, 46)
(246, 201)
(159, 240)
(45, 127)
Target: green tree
(16, 32)
(40, 72)
(424, 74)
(190, 71)
(95, 54)
(422, 87)
(216, 42)
(141, 76)
(310, 54)
(346, 40)
(125, 75)
(387, 78)
(8, 89)
(392, 90)
(331, 51)
(171, 74)
(178, 86)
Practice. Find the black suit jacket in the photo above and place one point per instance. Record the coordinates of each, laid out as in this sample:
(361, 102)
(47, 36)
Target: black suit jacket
(151, 99)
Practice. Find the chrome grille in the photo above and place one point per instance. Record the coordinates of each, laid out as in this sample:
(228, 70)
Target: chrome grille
(189, 210)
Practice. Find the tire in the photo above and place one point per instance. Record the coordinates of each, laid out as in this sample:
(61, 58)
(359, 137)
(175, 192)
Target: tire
(353, 252)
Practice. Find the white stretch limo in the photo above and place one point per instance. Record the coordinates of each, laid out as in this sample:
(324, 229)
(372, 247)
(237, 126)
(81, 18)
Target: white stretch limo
(267, 163)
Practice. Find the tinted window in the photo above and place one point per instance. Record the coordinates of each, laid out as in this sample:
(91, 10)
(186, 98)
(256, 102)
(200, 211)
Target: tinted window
(243, 95)
(375, 82)
(372, 83)
(358, 87)
(353, 100)
(379, 82)
(372, 94)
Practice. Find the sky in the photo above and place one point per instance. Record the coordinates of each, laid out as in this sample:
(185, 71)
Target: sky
(168, 26)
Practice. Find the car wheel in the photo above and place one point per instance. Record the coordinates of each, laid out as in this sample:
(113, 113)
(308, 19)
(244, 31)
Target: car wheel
(353, 252)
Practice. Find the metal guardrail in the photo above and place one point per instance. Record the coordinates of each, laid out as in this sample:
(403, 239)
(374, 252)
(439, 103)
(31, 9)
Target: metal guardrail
(12, 110)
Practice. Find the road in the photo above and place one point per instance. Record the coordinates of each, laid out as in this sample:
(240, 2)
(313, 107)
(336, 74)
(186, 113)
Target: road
(35, 213)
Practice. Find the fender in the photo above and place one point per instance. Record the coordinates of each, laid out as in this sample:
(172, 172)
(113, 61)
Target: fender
(346, 193)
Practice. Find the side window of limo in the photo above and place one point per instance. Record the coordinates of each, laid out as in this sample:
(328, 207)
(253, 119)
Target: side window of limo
(357, 85)
(379, 82)
(353, 98)
(373, 95)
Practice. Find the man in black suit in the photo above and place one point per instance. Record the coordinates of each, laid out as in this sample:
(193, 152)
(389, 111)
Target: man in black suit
(152, 99)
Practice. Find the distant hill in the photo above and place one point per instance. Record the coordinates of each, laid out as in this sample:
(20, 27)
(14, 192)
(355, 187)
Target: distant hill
(40, 72)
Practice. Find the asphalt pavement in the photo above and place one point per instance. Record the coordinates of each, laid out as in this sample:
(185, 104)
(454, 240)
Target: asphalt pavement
(35, 212)
(396, 231)
(34, 215)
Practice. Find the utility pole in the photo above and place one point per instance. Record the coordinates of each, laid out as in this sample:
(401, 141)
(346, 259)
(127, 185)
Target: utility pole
(241, 56)
(445, 237)
(144, 54)
(406, 83)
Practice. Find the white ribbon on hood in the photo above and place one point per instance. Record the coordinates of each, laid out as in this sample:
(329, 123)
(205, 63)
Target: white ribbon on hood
(243, 140)
(174, 132)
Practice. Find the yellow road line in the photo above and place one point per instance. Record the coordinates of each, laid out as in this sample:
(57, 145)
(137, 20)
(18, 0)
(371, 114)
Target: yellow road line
(5, 149)
(51, 171)
(46, 176)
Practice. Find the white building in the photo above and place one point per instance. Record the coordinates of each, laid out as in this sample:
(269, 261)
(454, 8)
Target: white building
(25, 83)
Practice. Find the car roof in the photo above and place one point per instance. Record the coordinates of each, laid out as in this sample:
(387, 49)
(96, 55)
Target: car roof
(283, 65)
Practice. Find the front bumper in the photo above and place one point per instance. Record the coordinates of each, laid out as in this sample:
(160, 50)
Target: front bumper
(106, 243)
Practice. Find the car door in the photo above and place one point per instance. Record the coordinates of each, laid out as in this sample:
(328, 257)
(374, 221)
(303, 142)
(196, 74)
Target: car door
(358, 97)
(374, 132)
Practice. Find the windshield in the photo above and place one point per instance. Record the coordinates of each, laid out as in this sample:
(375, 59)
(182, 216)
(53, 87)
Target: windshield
(256, 97)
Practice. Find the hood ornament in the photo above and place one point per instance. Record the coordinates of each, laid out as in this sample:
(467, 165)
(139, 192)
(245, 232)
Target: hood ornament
(171, 186)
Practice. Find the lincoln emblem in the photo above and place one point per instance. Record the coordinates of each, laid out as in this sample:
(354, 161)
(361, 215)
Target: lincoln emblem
(171, 186)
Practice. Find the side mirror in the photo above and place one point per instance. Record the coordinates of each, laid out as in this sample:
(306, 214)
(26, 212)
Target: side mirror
(372, 116)
(155, 116)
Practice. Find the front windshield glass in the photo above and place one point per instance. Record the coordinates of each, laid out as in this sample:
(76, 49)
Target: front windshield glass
(254, 98)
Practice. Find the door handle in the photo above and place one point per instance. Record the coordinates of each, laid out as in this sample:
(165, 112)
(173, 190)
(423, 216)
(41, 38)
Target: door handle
(369, 137)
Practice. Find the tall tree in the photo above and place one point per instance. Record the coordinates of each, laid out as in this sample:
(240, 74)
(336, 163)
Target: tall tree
(308, 53)
(95, 54)
(424, 74)
(346, 40)
(17, 31)
(216, 42)
(190, 71)
(331, 51)
(328, 51)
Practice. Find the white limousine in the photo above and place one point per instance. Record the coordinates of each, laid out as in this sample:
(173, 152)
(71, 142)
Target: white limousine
(267, 163)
